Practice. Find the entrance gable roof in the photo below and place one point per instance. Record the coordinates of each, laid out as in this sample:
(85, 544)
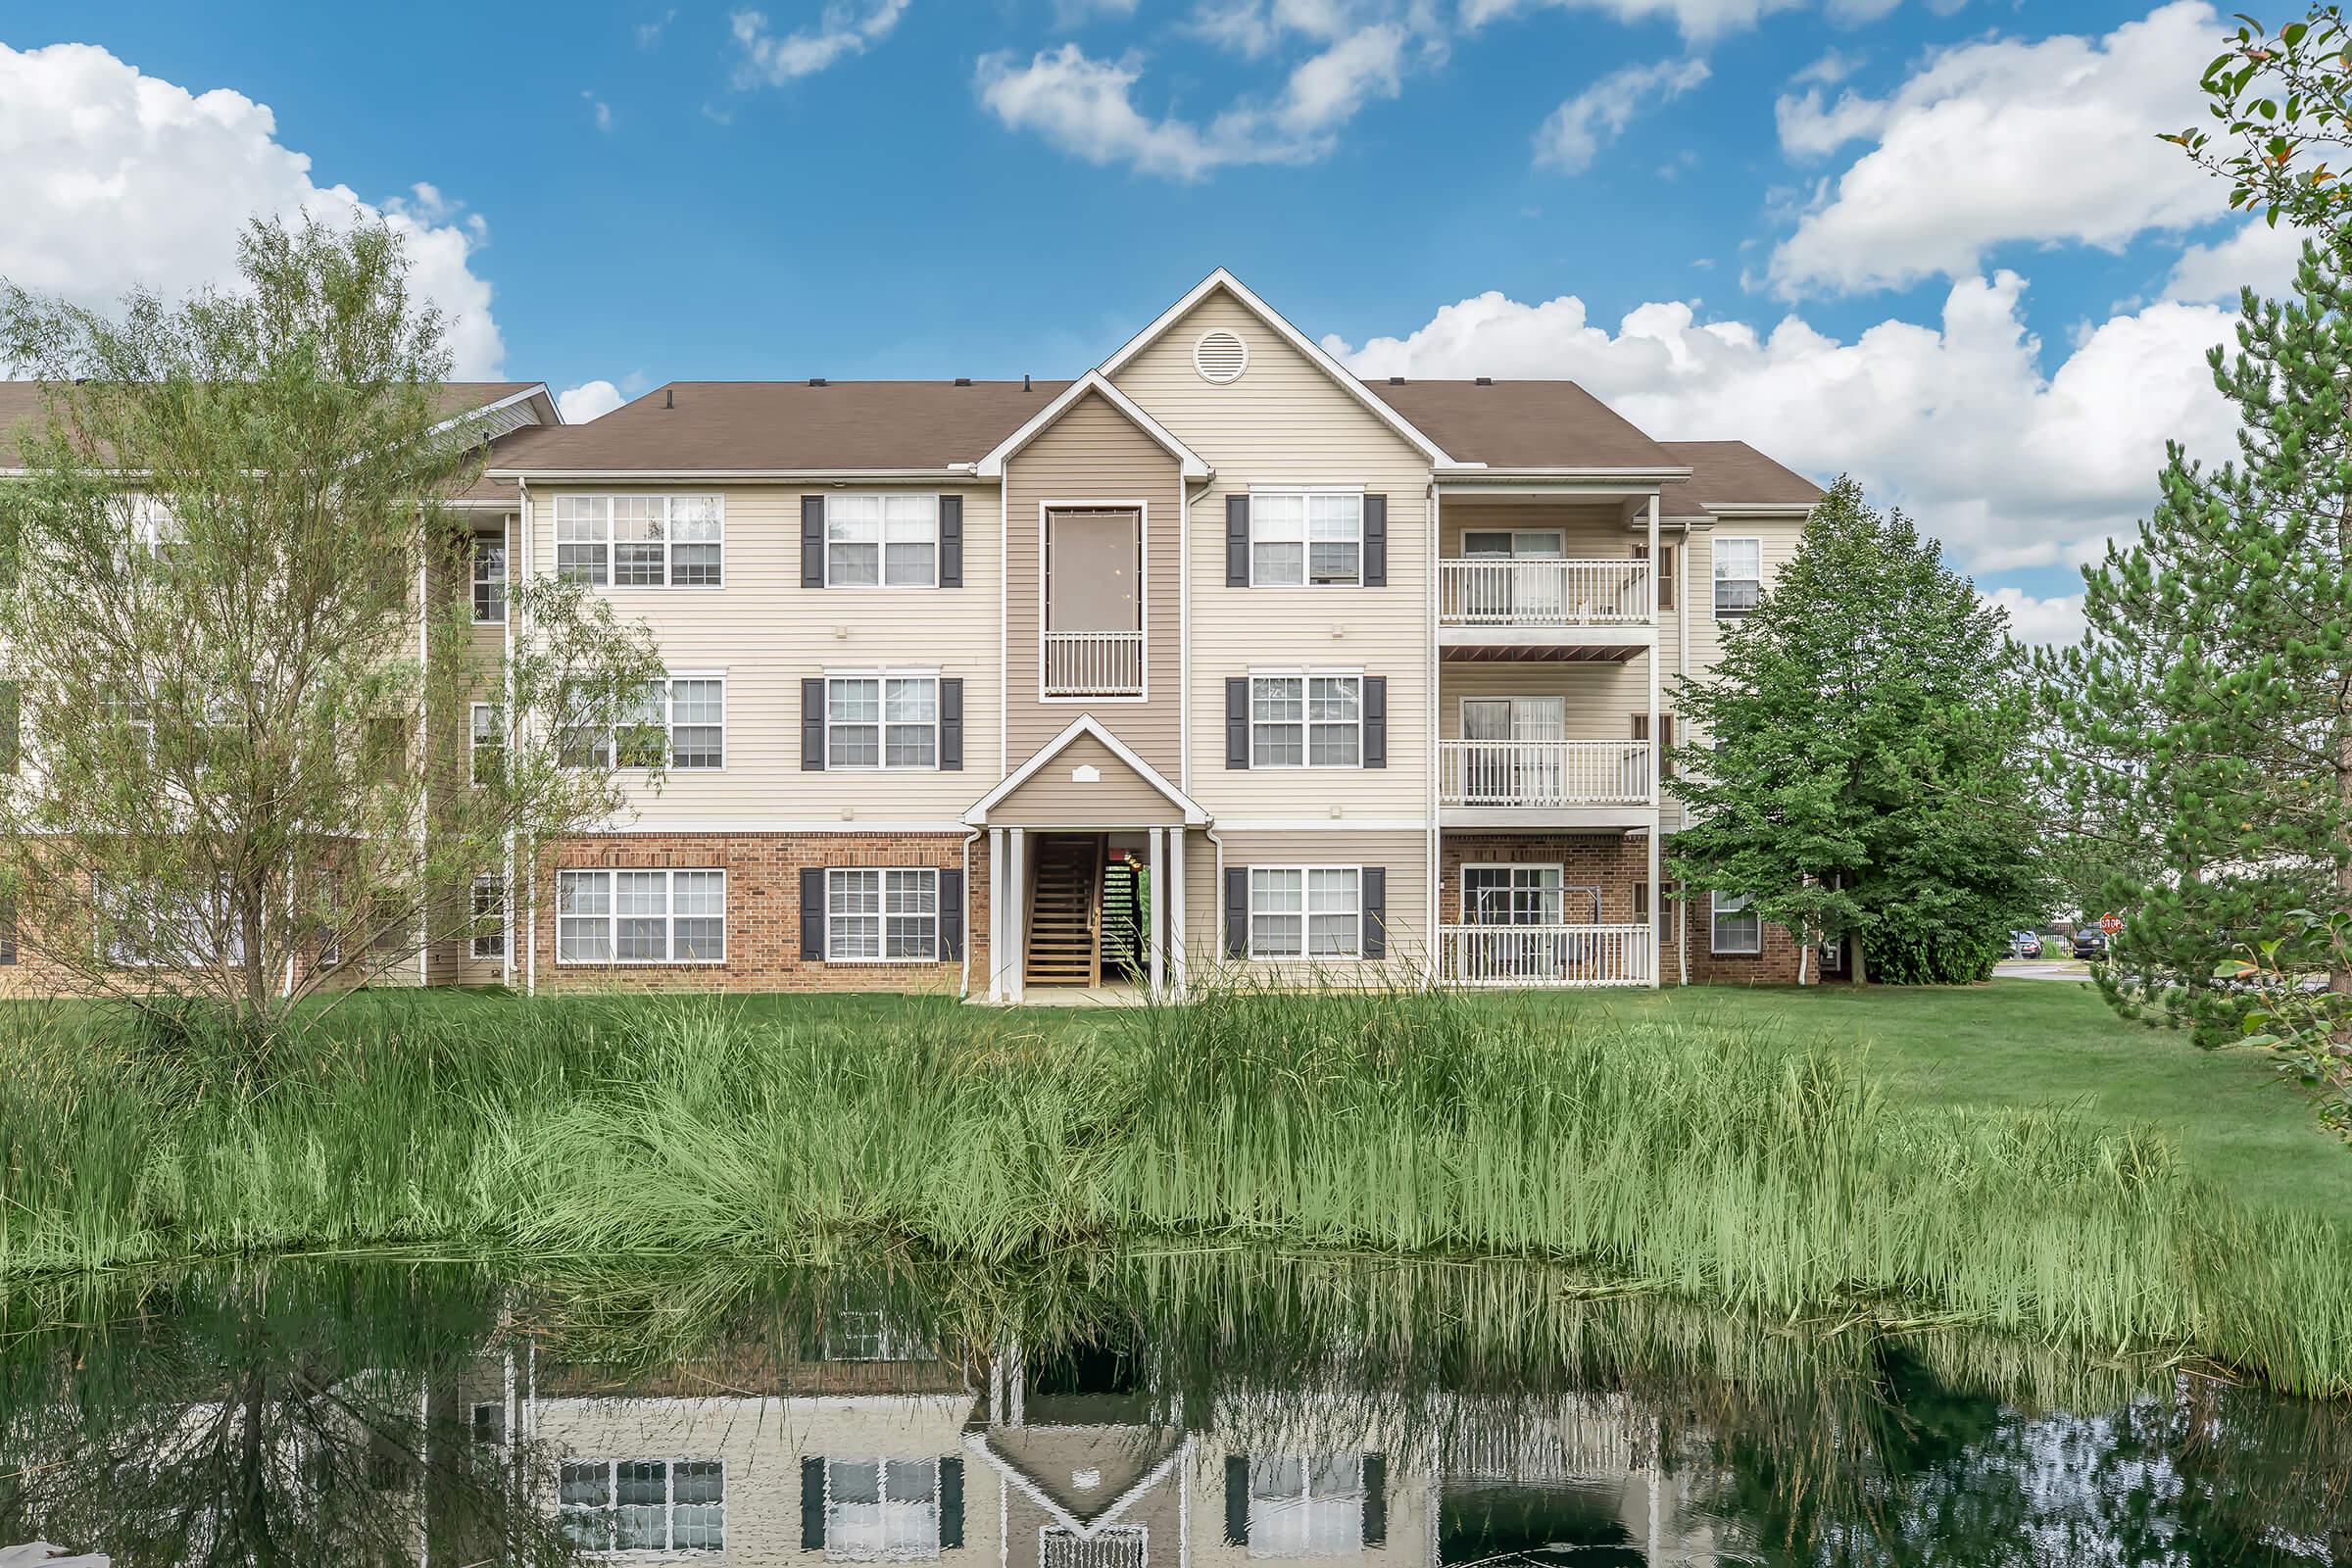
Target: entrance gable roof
(1187, 463)
(1086, 724)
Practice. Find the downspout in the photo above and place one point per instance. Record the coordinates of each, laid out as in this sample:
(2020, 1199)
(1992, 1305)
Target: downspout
(1217, 899)
(1184, 616)
(1681, 669)
(530, 565)
(425, 745)
(964, 980)
(506, 720)
(1431, 849)
(1658, 760)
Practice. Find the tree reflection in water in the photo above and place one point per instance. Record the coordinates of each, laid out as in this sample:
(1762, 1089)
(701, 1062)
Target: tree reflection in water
(1207, 1410)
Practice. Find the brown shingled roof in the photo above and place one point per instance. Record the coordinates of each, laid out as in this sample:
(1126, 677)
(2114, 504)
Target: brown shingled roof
(743, 426)
(1523, 424)
(20, 403)
(1734, 473)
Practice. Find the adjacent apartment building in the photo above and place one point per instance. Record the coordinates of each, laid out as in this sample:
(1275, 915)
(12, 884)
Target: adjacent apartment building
(1215, 660)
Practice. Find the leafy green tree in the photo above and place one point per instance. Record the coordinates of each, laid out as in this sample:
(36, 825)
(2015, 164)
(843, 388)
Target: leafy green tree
(1856, 767)
(2205, 723)
(2281, 104)
(236, 622)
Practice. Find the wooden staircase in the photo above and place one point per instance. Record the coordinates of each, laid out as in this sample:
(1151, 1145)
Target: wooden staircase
(1065, 914)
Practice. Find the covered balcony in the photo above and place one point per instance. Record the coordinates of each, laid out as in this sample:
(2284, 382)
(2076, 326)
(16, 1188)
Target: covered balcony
(1534, 581)
(1545, 783)
(1093, 643)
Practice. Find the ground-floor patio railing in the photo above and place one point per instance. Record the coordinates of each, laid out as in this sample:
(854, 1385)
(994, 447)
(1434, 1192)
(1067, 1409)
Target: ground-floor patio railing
(1546, 955)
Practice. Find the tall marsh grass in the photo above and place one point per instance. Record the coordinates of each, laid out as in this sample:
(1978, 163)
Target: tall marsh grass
(1712, 1163)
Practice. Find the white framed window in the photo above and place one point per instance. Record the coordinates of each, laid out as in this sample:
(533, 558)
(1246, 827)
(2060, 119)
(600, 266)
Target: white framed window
(680, 718)
(1306, 720)
(486, 745)
(882, 719)
(882, 541)
(1306, 911)
(881, 1508)
(1739, 575)
(608, 1506)
(1735, 928)
(882, 915)
(1306, 538)
(487, 938)
(641, 541)
(489, 579)
(1514, 895)
(1306, 1505)
(168, 933)
(868, 1334)
(640, 916)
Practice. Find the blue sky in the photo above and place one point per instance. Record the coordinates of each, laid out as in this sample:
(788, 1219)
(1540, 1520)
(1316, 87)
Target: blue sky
(1927, 240)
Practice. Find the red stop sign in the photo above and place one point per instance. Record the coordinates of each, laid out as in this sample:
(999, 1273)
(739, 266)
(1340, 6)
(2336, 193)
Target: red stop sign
(2111, 923)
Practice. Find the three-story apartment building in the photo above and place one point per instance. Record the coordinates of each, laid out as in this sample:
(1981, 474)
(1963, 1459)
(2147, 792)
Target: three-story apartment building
(1217, 660)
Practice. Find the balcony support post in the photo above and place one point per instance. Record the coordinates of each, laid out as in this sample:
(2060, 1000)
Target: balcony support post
(1658, 758)
(1158, 915)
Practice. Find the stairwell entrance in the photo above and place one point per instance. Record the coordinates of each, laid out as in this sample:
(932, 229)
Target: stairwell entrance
(1089, 913)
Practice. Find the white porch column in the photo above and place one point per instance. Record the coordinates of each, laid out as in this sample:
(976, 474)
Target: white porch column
(1175, 906)
(1160, 902)
(1017, 934)
(996, 914)
(1657, 764)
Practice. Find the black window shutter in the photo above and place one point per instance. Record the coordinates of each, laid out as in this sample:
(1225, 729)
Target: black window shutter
(11, 726)
(1375, 889)
(1237, 722)
(950, 916)
(813, 540)
(951, 724)
(951, 1503)
(1376, 1499)
(951, 541)
(1376, 722)
(8, 932)
(812, 1504)
(1236, 541)
(1376, 541)
(812, 725)
(1236, 918)
(813, 914)
(1236, 1499)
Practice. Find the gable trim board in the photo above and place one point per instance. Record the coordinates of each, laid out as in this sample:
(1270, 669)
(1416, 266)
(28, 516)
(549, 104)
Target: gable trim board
(1221, 280)
(1189, 464)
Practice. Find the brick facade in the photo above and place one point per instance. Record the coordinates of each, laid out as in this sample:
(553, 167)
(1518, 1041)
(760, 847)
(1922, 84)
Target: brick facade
(764, 910)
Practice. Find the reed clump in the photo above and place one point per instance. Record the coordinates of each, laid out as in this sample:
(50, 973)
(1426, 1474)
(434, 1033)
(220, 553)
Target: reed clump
(1706, 1161)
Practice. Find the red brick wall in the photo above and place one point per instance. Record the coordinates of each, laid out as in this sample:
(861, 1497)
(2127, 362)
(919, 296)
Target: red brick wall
(764, 909)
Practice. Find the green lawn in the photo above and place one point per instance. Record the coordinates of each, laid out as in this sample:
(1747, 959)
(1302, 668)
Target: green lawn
(2042, 1042)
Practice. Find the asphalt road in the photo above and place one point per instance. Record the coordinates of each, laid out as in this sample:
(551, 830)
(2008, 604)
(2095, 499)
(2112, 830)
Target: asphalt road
(2040, 969)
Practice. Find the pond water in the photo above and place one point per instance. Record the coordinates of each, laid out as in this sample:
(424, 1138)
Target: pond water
(1204, 1410)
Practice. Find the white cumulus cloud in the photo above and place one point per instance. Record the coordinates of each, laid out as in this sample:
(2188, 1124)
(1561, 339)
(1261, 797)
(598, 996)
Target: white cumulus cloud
(2004, 140)
(1956, 421)
(2056, 621)
(842, 29)
(111, 179)
(1581, 127)
(590, 398)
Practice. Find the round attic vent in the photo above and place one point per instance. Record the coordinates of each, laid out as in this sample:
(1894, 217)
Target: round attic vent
(1220, 357)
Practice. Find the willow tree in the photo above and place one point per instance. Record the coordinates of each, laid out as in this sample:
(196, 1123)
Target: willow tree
(239, 651)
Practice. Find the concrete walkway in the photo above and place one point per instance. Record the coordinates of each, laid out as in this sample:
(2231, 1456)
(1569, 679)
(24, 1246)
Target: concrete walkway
(2040, 969)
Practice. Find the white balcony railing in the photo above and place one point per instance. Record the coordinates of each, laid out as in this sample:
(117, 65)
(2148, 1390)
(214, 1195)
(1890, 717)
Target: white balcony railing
(1546, 955)
(1544, 593)
(1544, 773)
(1094, 664)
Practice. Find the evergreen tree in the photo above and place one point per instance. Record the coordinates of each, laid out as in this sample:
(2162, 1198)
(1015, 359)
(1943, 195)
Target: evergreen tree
(1857, 761)
(2205, 722)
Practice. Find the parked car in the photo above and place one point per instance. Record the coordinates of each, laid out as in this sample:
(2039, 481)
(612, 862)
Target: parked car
(2091, 943)
(2025, 944)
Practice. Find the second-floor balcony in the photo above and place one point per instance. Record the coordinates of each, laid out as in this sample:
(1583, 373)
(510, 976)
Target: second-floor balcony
(1094, 664)
(1544, 602)
(1515, 782)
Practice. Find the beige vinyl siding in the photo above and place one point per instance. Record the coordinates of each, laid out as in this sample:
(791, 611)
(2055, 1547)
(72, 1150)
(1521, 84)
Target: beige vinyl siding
(1094, 454)
(1285, 422)
(1404, 852)
(765, 634)
(1052, 798)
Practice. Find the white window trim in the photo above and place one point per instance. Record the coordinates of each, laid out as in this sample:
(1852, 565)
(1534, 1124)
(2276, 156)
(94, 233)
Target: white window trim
(883, 960)
(1715, 555)
(474, 935)
(610, 545)
(473, 740)
(882, 1482)
(1715, 913)
(881, 583)
(612, 917)
(1305, 764)
(1305, 917)
(1143, 594)
(669, 1502)
(882, 762)
(1565, 889)
(1307, 541)
(1357, 1496)
(476, 581)
(669, 680)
